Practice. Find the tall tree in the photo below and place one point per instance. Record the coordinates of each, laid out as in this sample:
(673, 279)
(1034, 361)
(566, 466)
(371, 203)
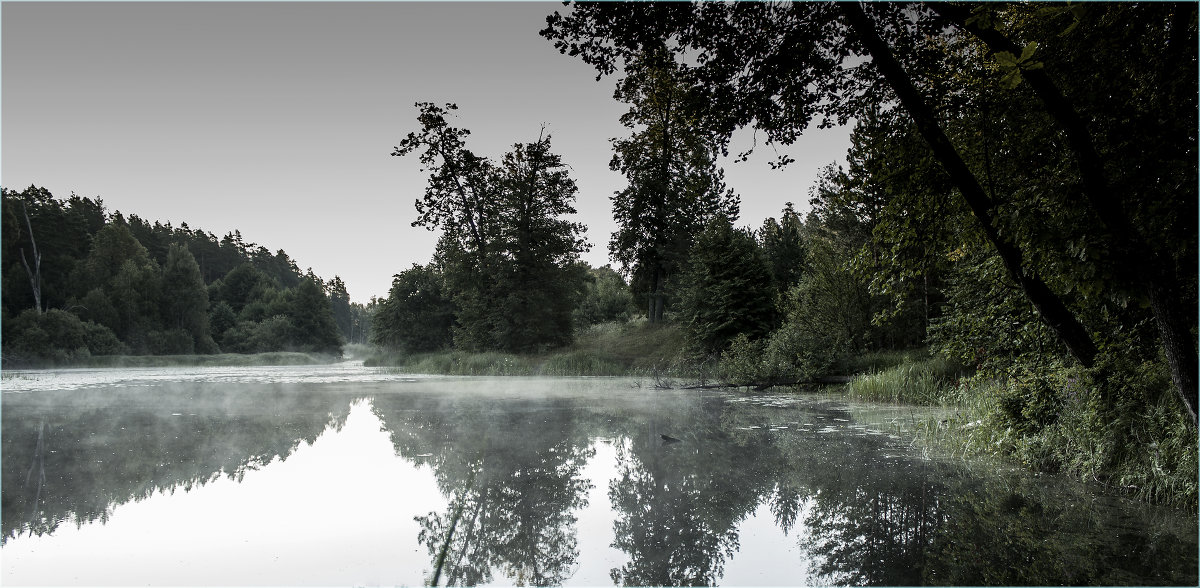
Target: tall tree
(727, 288)
(460, 200)
(185, 299)
(540, 280)
(783, 246)
(339, 297)
(674, 188)
(312, 316)
(507, 256)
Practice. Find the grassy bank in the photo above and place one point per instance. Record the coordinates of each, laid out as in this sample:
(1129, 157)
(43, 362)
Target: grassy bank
(636, 348)
(1124, 432)
(1115, 425)
(221, 359)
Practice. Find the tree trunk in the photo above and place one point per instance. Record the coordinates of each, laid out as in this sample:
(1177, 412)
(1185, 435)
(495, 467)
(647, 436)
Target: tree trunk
(1177, 342)
(1049, 306)
(35, 274)
(656, 297)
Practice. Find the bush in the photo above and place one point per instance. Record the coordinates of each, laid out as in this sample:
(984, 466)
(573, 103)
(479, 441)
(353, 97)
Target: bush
(56, 337)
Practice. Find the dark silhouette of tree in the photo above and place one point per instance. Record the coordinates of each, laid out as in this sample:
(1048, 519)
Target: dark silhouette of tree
(727, 289)
(674, 188)
(507, 256)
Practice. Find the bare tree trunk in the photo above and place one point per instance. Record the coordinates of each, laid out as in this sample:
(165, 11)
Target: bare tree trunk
(35, 274)
(656, 298)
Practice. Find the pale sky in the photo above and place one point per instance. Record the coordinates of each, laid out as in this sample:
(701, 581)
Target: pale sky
(278, 119)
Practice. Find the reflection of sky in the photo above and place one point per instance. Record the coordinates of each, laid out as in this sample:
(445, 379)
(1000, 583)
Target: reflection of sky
(337, 512)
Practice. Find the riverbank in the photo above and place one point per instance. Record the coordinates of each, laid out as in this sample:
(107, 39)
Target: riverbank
(635, 348)
(219, 359)
(1054, 419)
(1126, 435)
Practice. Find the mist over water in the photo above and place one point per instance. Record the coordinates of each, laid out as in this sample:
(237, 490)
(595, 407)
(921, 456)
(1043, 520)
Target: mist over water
(340, 475)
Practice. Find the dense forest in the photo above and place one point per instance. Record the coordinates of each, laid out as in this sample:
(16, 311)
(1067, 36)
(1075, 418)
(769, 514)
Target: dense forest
(80, 282)
(1020, 199)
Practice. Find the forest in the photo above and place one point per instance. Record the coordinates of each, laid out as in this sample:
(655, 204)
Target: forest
(1018, 209)
(80, 282)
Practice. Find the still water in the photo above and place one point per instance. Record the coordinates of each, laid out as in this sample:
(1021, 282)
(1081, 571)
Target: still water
(345, 475)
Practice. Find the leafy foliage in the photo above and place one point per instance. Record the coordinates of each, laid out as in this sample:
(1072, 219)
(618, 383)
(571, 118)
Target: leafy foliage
(674, 188)
(727, 289)
(417, 315)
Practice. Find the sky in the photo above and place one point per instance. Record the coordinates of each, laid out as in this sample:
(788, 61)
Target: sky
(278, 119)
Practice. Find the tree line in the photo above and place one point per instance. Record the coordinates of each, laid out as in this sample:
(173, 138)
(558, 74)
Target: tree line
(1031, 169)
(80, 281)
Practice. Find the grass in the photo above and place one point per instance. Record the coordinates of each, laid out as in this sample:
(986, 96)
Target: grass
(930, 381)
(1139, 444)
(633, 348)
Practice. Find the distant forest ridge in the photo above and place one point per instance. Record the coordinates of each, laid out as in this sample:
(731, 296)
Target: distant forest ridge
(80, 281)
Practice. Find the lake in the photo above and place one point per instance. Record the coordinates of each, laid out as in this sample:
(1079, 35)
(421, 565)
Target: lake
(346, 475)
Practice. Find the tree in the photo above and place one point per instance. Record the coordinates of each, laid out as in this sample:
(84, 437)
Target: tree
(539, 280)
(727, 289)
(460, 200)
(311, 315)
(674, 184)
(505, 253)
(43, 240)
(783, 247)
(340, 299)
(417, 315)
(185, 299)
(121, 286)
(780, 66)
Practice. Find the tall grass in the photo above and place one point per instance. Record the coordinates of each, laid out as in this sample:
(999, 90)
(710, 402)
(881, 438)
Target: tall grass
(931, 381)
(608, 349)
(1133, 439)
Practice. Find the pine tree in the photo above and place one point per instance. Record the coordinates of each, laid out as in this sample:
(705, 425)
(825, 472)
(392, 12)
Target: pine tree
(727, 288)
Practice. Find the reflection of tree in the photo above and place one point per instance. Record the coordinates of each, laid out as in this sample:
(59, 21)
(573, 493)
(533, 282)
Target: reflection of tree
(1016, 531)
(876, 514)
(678, 506)
(512, 471)
(872, 534)
(103, 448)
(870, 509)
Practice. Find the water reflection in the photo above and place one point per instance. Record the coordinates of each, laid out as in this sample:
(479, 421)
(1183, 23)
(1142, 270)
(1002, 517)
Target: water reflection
(515, 462)
(75, 455)
(512, 472)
